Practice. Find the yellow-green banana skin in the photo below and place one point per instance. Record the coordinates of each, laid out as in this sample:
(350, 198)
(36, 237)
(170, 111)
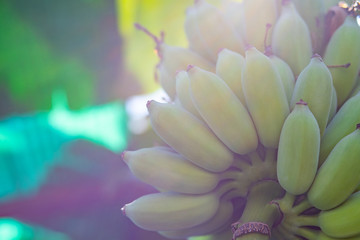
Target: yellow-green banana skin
(344, 48)
(265, 97)
(298, 151)
(291, 39)
(339, 175)
(341, 125)
(343, 221)
(169, 171)
(323, 236)
(171, 211)
(222, 111)
(189, 136)
(314, 86)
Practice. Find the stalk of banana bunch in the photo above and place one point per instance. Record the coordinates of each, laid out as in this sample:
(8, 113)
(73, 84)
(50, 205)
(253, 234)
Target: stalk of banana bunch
(262, 128)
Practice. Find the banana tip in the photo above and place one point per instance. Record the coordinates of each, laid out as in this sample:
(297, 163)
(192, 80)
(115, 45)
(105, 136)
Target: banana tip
(315, 55)
(301, 102)
(358, 126)
(123, 210)
(189, 67)
(122, 155)
(148, 103)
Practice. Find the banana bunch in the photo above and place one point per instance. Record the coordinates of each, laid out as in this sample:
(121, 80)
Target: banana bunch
(261, 136)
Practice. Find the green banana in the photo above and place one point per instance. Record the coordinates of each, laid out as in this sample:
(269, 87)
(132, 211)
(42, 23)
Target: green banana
(229, 67)
(189, 136)
(234, 13)
(333, 105)
(220, 220)
(339, 175)
(173, 59)
(291, 39)
(257, 15)
(208, 31)
(265, 97)
(286, 74)
(343, 221)
(323, 236)
(356, 88)
(298, 151)
(344, 48)
(169, 171)
(220, 109)
(314, 86)
(183, 93)
(341, 125)
(313, 13)
(171, 211)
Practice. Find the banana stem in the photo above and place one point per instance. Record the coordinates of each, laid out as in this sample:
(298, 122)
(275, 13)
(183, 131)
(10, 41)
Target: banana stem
(301, 207)
(307, 233)
(287, 202)
(270, 155)
(303, 220)
(255, 158)
(241, 164)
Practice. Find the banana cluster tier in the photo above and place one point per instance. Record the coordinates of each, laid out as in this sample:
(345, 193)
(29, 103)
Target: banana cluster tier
(261, 133)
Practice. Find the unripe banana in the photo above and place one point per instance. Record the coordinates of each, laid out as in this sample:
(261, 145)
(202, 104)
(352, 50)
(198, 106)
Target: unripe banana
(189, 136)
(171, 211)
(257, 14)
(169, 171)
(323, 236)
(313, 13)
(356, 88)
(343, 221)
(234, 13)
(183, 93)
(173, 59)
(265, 97)
(229, 67)
(298, 152)
(333, 105)
(341, 125)
(286, 75)
(221, 218)
(291, 39)
(208, 31)
(344, 48)
(314, 86)
(339, 175)
(222, 111)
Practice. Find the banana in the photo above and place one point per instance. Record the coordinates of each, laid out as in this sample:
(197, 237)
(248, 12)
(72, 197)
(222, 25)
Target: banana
(286, 75)
(343, 221)
(220, 220)
(257, 14)
(341, 125)
(344, 48)
(173, 59)
(234, 13)
(189, 136)
(314, 86)
(169, 171)
(229, 67)
(208, 31)
(323, 236)
(291, 39)
(222, 111)
(298, 151)
(356, 88)
(333, 105)
(171, 211)
(313, 13)
(183, 93)
(265, 97)
(339, 175)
